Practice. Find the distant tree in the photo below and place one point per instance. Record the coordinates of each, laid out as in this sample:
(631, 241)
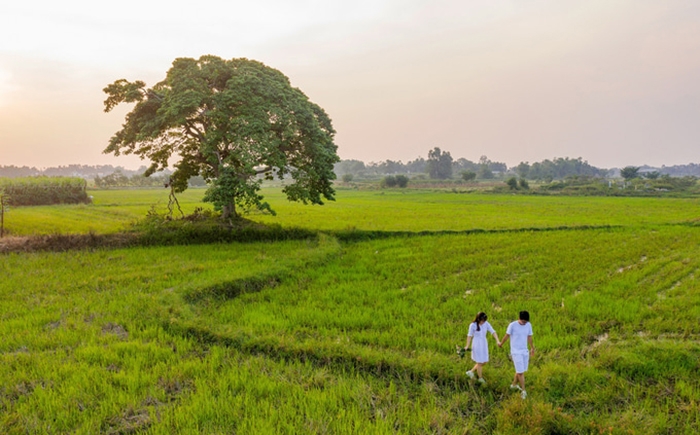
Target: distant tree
(485, 173)
(401, 180)
(460, 165)
(416, 166)
(523, 169)
(197, 181)
(652, 175)
(347, 178)
(561, 168)
(354, 167)
(468, 175)
(439, 164)
(512, 182)
(629, 172)
(523, 184)
(485, 168)
(229, 121)
(115, 179)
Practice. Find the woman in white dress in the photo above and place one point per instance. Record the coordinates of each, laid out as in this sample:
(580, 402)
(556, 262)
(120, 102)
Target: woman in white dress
(479, 346)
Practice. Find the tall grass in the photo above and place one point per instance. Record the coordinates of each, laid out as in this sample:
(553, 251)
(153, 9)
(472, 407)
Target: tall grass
(44, 190)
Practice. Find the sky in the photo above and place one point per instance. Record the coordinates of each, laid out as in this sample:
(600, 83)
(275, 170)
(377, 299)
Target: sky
(614, 82)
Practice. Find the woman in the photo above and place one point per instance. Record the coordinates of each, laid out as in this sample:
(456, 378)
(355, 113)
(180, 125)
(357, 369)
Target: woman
(480, 350)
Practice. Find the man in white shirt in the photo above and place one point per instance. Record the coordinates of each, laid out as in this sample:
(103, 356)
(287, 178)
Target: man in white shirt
(520, 333)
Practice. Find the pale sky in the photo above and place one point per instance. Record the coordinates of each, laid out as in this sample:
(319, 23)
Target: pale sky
(615, 82)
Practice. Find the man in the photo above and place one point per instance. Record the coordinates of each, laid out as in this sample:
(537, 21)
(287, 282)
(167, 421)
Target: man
(520, 333)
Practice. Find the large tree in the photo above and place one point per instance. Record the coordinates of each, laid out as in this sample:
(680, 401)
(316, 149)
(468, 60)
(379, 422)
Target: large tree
(439, 164)
(629, 172)
(234, 122)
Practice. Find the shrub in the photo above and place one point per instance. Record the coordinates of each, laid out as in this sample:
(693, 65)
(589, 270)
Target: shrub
(388, 181)
(401, 180)
(205, 226)
(468, 175)
(512, 182)
(347, 178)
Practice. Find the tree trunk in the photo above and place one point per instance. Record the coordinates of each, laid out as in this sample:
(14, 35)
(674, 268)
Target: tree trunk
(229, 211)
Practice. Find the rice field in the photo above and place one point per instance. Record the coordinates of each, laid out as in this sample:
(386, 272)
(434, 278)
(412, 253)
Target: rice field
(338, 336)
(367, 210)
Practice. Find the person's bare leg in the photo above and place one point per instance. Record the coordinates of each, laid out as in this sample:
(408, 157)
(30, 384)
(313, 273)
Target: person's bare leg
(478, 368)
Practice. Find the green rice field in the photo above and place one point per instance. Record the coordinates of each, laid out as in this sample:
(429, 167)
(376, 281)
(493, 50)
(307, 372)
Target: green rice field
(342, 335)
(368, 210)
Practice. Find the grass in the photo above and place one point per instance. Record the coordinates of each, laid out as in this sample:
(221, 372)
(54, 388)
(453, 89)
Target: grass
(325, 336)
(367, 210)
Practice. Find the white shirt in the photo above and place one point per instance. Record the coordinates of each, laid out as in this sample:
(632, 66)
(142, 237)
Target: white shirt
(518, 337)
(483, 329)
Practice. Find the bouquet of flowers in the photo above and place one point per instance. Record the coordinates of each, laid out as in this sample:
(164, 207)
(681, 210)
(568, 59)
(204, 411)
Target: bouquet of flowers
(461, 351)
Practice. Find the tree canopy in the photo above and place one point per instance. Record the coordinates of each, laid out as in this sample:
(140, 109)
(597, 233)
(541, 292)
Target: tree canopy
(233, 122)
(439, 164)
(629, 172)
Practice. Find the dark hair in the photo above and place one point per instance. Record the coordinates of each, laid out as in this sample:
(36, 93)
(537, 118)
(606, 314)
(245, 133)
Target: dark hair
(524, 315)
(479, 317)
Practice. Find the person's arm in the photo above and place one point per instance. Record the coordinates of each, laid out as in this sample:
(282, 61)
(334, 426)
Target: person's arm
(532, 345)
(493, 332)
(505, 338)
(469, 341)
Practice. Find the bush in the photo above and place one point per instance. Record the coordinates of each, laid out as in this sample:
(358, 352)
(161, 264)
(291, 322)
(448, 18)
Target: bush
(388, 181)
(468, 175)
(347, 178)
(524, 184)
(512, 182)
(205, 226)
(401, 180)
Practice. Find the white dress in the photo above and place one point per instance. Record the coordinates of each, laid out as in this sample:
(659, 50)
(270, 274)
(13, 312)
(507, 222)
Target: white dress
(480, 347)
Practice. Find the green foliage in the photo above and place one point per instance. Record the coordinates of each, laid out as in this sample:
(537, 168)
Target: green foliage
(228, 121)
(402, 181)
(523, 183)
(559, 168)
(204, 226)
(439, 164)
(118, 179)
(512, 182)
(629, 172)
(468, 175)
(394, 181)
(485, 173)
(44, 190)
(388, 181)
(347, 178)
